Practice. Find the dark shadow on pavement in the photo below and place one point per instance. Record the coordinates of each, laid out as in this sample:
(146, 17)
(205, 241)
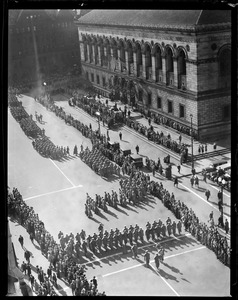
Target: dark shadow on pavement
(166, 275)
(185, 280)
(112, 214)
(61, 290)
(102, 215)
(95, 220)
(128, 207)
(121, 210)
(172, 268)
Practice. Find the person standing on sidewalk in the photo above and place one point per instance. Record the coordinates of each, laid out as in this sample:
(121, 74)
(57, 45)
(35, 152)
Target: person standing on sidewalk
(120, 135)
(21, 240)
(205, 147)
(137, 149)
(207, 193)
(205, 177)
(180, 139)
(192, 181)
(27, 256)
(179, 168)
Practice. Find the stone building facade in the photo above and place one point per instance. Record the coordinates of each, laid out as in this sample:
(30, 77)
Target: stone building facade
(174, 64)
(41, 42)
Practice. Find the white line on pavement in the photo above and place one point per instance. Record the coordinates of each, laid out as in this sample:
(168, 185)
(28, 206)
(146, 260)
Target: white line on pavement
(202, 198)
(167, 257)
(62, 172)
(54, 192)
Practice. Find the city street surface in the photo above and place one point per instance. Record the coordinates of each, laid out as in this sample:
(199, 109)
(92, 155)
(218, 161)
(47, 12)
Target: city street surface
(57, 192)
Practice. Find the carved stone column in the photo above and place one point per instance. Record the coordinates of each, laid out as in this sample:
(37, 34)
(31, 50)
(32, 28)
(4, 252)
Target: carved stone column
(175, 61)
(143, 66)
(153, 68)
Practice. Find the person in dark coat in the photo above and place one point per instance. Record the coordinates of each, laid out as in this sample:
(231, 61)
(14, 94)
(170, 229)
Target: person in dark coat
(179, 168)
(156, 259)
(226, 226)
(176, 181)
(27, 256)
(120, 135)
(207, 194)
(137, 149)
(21, 240)
(28, 268)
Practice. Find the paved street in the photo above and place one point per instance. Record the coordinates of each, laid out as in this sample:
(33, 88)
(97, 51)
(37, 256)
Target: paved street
(57, 192)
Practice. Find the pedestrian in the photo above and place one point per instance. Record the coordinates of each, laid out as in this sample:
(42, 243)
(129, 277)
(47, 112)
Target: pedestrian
(226, 226)
(21, 240)
(176, 181)
(49, 272)
(75, 150)
(90, 126)
(180, 138)
(28, 268)
(27, 256)
(73, 287)
(214, 146)
(137, 149)
(205, 147)
(207, 194)
(32, 281)
(202, 149)
(156, 259)
(179, 168)
(220, 205)
(219, 195)
(210, 216)
(196, 181)
(147, 258)
(23, 267)
(192, 181)
(199, 149)
(120, 135)
(149, 121)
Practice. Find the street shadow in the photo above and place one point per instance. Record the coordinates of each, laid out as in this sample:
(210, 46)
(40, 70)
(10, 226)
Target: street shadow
(125, 141)
(141, 206)
(172, 268)
(201, 189)
(122, 211)
(166, 275)
(184, 190)
(112, 214)
(129, 207)
(100, 214)
(95, 220)
(185, 280)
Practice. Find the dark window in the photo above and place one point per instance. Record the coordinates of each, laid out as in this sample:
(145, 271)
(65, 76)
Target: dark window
(170, 106)
(104, 81)
(226, 112)
(149, 99)
(159, 105)
(98, 79)
(181, 111)
(92, 77)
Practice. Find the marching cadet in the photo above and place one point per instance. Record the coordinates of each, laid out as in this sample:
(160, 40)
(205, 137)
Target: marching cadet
(89, 242)
(163, 228)
(130, 235)
(100, 228)
(169, 227)
(179, 226)
(134, 250)
(147, 258)
(93, 245)
(174, 228)
(84, 246)
(67, 150)
(104, 240)
(207, 194)
(147, 234)
(120, 238)
(116, 239)
(75, 150)
(192, 181)
(141, 234)
(99, 243)
(135, 235)
(82, 234)
(156, 258)
(77, 249)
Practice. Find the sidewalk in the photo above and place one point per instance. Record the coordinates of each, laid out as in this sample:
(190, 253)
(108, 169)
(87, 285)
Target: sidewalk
(36, 258)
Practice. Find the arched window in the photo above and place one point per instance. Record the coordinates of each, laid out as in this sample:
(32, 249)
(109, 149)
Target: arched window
(169, 67)
(96, 53)
(139, 60)
(158, 64)
(181, 70)
(85, 51)
(90, 53)
(148, 62)
(122, 56)
(225, 68)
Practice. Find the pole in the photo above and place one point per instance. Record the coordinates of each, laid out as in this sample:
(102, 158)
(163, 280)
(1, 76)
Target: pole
(192, 140)
(222, 204)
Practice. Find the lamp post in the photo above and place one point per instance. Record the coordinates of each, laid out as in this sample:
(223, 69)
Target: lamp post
(191, 116)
